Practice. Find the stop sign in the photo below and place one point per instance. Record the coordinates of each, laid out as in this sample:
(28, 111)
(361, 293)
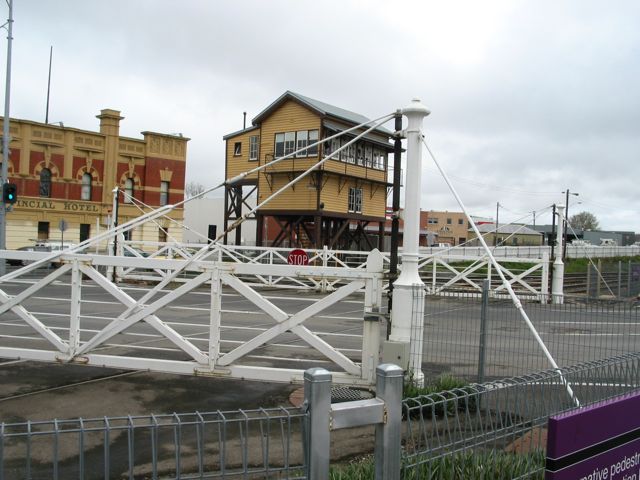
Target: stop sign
(298, 257)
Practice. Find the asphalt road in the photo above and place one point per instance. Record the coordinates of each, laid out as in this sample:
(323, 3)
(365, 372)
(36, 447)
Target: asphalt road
(573, 334)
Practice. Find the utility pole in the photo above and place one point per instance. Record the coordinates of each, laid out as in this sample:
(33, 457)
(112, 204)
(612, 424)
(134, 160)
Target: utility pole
(6, 140)
(534, 219)
(395, 207)
(495, 235)
(566, 223)
(46, 115)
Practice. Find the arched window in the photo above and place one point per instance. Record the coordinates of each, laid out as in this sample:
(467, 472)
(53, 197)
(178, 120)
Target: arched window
(128, 190)
(45, 182)
(85, 194)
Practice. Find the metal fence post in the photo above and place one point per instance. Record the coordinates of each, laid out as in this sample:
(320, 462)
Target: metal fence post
(483, 330)
(317, 401)
(389, 381)
(619, 278)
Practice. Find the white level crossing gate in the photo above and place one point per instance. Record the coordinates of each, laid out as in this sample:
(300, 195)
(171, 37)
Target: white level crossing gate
(141, 333)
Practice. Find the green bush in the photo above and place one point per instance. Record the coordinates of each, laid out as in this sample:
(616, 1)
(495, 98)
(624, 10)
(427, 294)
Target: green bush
(445, 395)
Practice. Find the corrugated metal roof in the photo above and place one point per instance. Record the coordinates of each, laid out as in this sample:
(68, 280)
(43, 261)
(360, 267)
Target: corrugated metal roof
(322, 108)
(377, 139)
(244, 130)
(507, 229)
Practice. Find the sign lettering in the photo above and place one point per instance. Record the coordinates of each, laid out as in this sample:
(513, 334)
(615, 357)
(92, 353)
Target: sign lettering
(599, 442)
(50, 205)
(298, 257)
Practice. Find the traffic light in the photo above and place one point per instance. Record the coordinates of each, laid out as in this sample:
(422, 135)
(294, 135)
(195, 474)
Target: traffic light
(9, 193)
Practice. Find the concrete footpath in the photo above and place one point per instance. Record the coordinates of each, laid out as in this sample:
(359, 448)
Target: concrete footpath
(39, 391)
(36, 391)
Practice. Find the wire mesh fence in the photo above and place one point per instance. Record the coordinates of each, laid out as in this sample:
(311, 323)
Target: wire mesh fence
(459, 343)
(498, 429)
(619, 279)
(265, 443)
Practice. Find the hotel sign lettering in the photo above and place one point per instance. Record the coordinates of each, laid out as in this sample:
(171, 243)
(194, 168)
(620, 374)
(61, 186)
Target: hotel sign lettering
(64, 206)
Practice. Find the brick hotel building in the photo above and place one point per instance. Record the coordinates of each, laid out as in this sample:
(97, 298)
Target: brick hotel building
(69, 174)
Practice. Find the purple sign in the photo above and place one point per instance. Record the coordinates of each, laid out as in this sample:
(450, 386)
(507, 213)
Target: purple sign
(599, 442)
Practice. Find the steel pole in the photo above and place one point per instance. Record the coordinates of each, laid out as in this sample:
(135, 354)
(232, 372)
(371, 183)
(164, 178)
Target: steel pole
(407, 318)
(395, 207)
(557, 286)
(317, 439)
(6, 139)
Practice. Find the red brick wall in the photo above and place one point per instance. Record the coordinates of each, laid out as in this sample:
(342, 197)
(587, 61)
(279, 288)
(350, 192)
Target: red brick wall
(152, 178)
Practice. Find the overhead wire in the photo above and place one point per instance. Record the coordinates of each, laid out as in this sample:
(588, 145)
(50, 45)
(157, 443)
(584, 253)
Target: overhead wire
(507, 285)
(167, 208)
(120, 322)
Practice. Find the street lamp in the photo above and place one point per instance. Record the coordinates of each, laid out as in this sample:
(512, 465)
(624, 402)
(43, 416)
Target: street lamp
(566, 223)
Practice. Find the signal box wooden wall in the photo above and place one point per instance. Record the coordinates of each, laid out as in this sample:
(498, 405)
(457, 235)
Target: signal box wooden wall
(331, 206)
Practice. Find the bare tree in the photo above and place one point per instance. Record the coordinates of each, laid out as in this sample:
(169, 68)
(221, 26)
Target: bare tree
(191, 189)
(584, 221)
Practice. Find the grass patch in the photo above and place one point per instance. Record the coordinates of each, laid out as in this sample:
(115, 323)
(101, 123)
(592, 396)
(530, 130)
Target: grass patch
(464, 465)
(581, 265)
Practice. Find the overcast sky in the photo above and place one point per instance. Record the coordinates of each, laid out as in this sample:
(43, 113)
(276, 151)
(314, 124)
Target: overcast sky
(528, 98)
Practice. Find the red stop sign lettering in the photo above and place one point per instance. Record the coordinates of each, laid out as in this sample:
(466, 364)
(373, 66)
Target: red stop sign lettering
(298, 257)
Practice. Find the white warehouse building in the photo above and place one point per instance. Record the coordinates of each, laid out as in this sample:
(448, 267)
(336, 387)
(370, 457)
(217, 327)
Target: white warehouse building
(204, 218)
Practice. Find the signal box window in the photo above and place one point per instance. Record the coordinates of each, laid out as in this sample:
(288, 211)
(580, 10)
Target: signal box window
(237, 149)
(253, 147)
(289, 142)
(355, 200)
(312, 151)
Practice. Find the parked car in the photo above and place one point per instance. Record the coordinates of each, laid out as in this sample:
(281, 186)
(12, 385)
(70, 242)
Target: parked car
(29, 248)
(135, 252)
(580, 243)
(608, 242)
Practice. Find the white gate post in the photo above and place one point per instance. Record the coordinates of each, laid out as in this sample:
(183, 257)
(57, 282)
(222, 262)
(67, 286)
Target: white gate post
(371, 328)
(407, 318)
(557, 287)
(76, 302)
(544, 285)
(215, 317)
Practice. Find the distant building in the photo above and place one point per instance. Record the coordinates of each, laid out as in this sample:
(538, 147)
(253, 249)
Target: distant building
(204, 219)
(594, 237)
(622, 239)
(435, 227)
(64, 173)
(450, 227)
(507, 235)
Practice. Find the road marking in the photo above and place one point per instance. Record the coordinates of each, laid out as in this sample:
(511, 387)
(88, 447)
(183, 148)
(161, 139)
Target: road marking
(587, 323)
